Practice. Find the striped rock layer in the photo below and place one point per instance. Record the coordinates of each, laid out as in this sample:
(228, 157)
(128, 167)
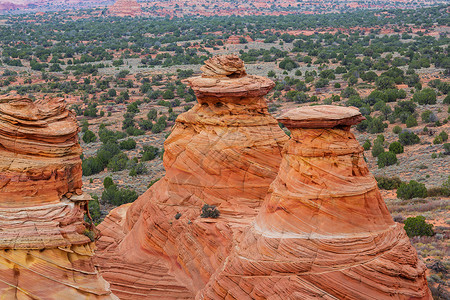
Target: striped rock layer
(44, 253)
(324, 231)
(225, 151)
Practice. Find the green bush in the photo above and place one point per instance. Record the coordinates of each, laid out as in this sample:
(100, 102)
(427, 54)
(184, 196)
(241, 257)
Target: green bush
(367, 145)
(149, 153)
(94, 210)
(396, 147)
(408, 138)
(118, 162)
(127, 144)
(411, 121)
(107, 182)
(377, 149)
(91, 165)
(138, 169)
(425, 96)
(388, 183)
(444, 136)
(210, 211)
(410, 190)
(117, 196)
(416, 226)
(89, 137)
(386, 159)
(447, 148)
(397, 129)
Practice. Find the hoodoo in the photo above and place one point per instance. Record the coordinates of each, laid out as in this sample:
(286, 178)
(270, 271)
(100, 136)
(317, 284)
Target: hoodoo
(225, 151)
(323, 231)
(45, 251)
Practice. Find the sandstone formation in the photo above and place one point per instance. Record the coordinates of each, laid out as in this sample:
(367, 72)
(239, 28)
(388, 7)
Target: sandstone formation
(225, 151)
(45, 251)
(323, 230)
(125, 8)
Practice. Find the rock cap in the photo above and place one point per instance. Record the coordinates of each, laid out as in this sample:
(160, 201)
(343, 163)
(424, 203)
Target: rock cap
(321, 116)
(225, 76)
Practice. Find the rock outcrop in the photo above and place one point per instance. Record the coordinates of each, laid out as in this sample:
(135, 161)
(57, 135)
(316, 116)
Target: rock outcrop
(323, 230)
(125, 8)
(45, 251)
(225, 151)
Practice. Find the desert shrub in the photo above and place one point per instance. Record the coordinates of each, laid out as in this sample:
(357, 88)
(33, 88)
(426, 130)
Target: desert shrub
(152, 182)
(133, 131)
(408, 138)
(89, 137)
(160, 125)
(138, 169)
(388, 183)
(411, 121)
(127, 144)
(149, 153)
(428, 117)
(446, 187)
(152, 114)
(397, 129)
(117, 196)
(425, 96)
(91, 165)
(367, 145)
(377, 149)
(447, 99)
(118, 162)
(447, 148)
(444, 136)
(107, 135)
(396, 147)
(416, 226)
(107, 182)
(210, 211)
(386, 159)
(410, 190)
(94, 210)
(437, 140)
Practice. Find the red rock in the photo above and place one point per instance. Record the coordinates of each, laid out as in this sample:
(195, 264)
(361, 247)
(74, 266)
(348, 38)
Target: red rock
(44, 253)
(123, 8)
(225, 151)
(323, 230)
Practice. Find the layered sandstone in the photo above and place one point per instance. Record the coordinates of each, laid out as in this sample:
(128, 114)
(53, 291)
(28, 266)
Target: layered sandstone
(225, 151)
(323, 230)
(44, 252)
(125, 8)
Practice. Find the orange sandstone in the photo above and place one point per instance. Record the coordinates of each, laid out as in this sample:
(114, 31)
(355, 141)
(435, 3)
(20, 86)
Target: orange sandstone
(44, 253)
(323, 230)
(225, 151)
(124, 8)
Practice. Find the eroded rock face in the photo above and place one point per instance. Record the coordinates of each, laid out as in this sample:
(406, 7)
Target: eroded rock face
(125, 8)
(323, 230)
(44, 253)
(225, 151)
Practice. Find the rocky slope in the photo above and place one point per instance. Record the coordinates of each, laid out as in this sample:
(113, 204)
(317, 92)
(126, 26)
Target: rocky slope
(225, 151)
(323, 230)
(124, 8)
(45, 252)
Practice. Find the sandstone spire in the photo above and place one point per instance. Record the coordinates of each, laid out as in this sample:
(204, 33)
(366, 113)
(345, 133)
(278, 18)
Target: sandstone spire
(45, 251)
(225, 151)
(323, 230)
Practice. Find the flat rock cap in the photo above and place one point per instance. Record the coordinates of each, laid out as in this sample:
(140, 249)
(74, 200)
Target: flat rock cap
(321, 116)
